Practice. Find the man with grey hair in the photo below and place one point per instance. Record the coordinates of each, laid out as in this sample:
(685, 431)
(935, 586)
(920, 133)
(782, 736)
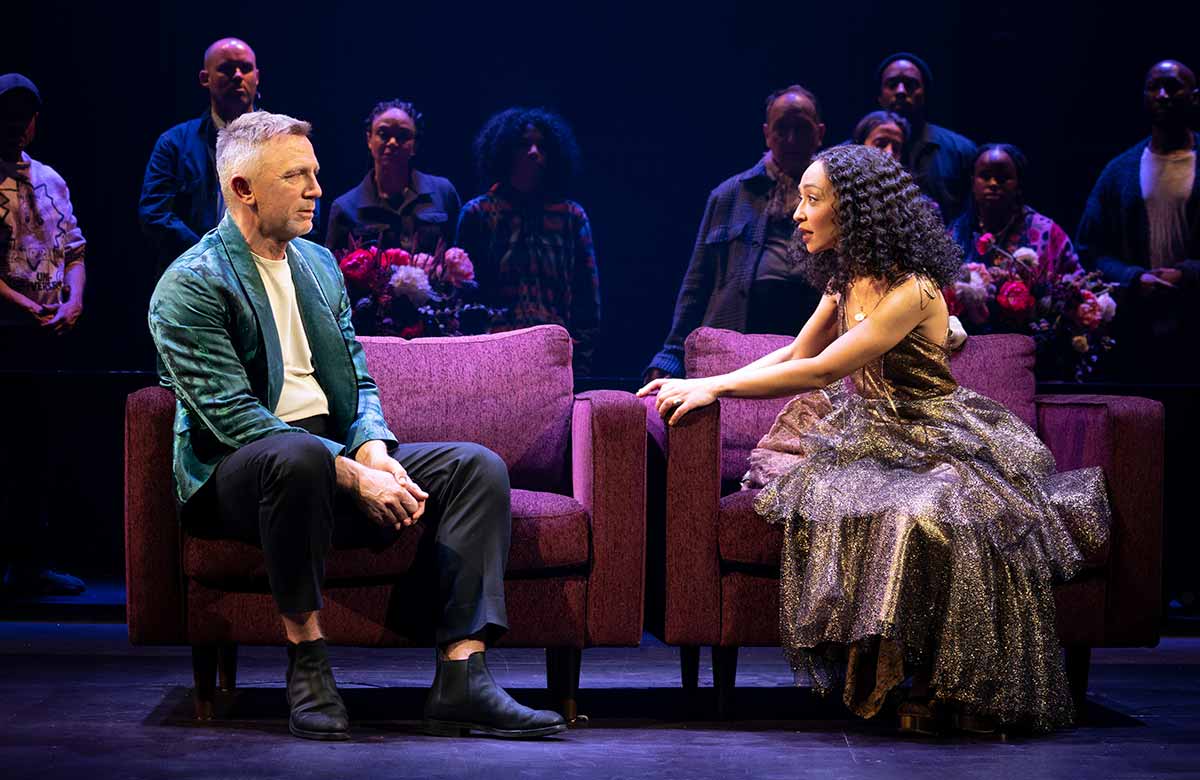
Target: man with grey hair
(280, 439)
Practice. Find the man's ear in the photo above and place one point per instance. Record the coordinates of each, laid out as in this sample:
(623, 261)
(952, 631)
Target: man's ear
(241, 189)
(819, 135)
(204, 77)
(766, 134)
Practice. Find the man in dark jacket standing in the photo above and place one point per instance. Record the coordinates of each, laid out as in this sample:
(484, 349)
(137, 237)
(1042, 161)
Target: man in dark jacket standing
(181, 199)
(940, 160)
(1141, 228)
(740, 276)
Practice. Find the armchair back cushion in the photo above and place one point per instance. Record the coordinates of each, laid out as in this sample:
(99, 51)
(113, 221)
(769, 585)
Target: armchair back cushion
(999, 366)
(511, 392)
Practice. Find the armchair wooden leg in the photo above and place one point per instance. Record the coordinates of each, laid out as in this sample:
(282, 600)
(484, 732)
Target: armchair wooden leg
(1079, 662)
(724, 678)
(227, 667)
(689, 666)
(204, 679)
(562, 678)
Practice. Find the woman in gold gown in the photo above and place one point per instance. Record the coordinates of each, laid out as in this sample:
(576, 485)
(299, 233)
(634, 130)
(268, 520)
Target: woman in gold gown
(924, 523)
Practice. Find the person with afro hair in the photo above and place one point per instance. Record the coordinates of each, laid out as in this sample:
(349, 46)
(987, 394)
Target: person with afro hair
(531, 245)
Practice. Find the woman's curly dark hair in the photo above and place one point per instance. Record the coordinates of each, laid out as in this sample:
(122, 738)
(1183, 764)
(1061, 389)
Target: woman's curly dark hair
(502, 135)
(886, 229)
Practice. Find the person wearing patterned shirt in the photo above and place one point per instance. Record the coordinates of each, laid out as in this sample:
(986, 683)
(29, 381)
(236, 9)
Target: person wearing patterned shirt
(41, 299)
(532, 246)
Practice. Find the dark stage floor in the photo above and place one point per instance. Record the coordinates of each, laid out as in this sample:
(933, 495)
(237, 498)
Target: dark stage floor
(77, 702)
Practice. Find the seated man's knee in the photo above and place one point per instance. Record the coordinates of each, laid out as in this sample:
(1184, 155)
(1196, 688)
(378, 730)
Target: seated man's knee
(482, 464)
(300, 457)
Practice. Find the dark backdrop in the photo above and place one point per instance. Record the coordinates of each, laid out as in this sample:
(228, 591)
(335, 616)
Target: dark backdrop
(666, 100)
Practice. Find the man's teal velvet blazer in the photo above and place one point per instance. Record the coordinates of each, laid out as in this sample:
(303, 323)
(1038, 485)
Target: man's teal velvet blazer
(219, 352)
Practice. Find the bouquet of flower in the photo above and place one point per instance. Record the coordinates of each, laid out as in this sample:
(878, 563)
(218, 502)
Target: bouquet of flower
(1068, 315)
(396, 293)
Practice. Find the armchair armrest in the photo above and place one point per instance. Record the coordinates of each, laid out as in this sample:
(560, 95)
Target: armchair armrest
(155, 607)
(693, 589)
(1125, 436)
(608, 475)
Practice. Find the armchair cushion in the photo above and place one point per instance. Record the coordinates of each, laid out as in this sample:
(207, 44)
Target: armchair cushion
(549, 532)
(744, 537)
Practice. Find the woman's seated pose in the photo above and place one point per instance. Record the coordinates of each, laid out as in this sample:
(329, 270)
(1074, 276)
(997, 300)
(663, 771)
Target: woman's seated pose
(924, 523)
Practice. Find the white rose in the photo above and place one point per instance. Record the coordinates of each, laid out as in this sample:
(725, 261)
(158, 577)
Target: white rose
(1026, 257)
(411, 282)
(1108, 307)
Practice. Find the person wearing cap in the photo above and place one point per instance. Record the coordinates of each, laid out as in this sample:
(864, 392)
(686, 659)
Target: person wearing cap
(181, 199)
(940, 160)
(42, 280)
(741, 275)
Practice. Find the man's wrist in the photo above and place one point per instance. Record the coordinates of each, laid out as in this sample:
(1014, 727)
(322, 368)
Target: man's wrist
(348, 473)
(370, 451)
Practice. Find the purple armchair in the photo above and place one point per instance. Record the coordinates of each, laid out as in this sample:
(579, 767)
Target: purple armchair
(722, 560)
(577, 466)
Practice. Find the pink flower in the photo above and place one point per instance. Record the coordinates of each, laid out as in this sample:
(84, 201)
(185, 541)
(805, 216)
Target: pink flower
(984, 243)
(457, 267)
(395, 257)
(359, 268)
(1014, 297)
(1090, 312)
(423, 261)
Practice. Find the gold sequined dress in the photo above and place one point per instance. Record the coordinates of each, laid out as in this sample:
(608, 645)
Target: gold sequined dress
(925, 525)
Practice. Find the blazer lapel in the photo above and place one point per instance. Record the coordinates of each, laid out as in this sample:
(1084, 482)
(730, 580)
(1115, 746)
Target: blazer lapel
(243, 265)
(331, 358)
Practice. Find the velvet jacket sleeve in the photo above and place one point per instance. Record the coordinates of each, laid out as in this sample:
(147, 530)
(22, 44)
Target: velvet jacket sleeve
(190, 324)
(693, 298)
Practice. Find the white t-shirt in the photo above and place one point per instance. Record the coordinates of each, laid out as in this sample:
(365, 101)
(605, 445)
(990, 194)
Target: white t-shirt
(1167, 181)
(302, 395)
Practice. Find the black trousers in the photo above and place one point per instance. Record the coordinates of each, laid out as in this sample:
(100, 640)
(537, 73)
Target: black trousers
(280, 493)
(38, 419)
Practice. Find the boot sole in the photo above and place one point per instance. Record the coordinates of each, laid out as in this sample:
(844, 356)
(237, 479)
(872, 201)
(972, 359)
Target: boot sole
(448, 728)
(322, 736)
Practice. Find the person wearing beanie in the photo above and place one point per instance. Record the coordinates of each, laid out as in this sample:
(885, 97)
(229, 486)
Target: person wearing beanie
(940, 159)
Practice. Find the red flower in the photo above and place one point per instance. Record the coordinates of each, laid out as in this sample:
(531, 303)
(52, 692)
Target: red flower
(359, 268)
(953, 304)
(1014, 297)
(391, 257)
(1089, 313)
(413, 331)
(984, 243)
